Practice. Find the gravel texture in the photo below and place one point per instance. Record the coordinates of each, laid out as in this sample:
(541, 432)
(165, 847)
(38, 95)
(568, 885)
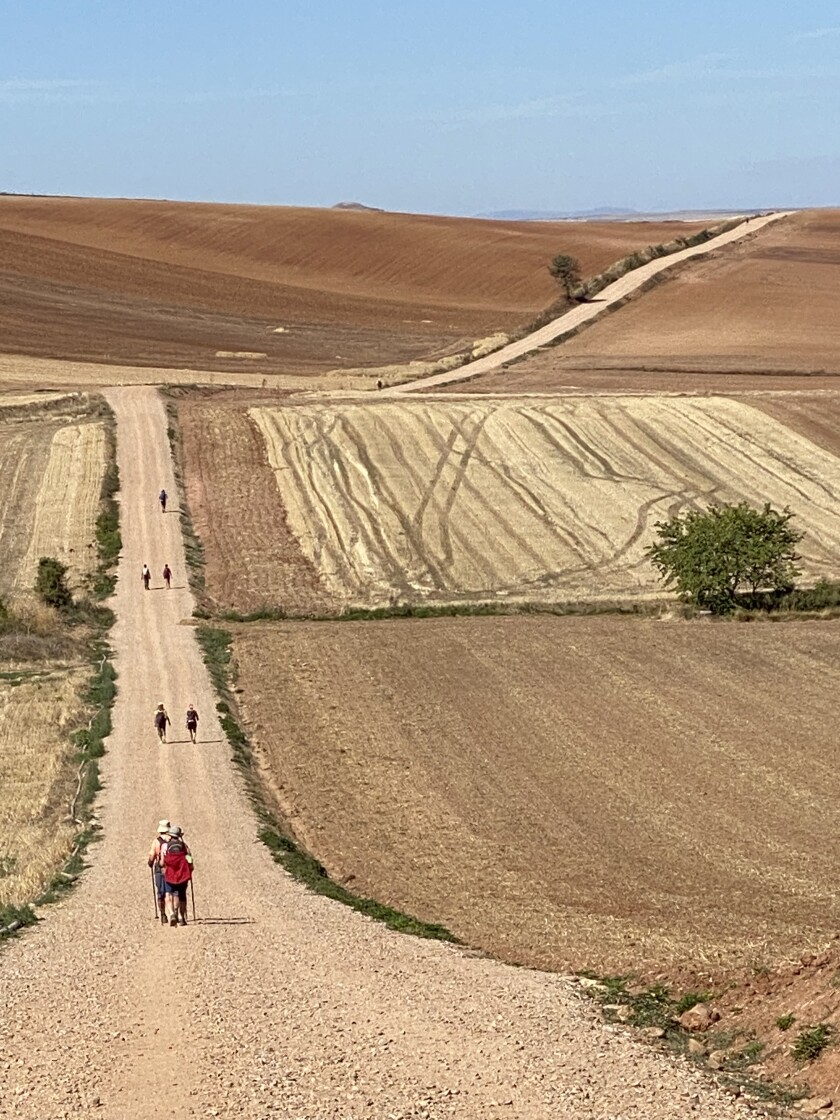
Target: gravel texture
(276, 1003)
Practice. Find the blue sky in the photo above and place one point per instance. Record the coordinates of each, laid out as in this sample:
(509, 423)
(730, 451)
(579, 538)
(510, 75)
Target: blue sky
(440, 106)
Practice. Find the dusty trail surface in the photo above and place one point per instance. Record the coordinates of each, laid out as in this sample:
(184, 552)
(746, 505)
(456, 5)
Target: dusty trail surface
(278, 1003)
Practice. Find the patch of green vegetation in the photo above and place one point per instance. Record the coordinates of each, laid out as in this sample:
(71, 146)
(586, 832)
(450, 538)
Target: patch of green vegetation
(216, 645)
(785, 1022)
(193, 548)
(15, 918)
(650, 1007)
(811, 1041)
(108, 536)
(440, 610)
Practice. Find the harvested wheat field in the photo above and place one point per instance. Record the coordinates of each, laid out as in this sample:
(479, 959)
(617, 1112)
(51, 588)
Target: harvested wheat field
(544, 500)
(598, 793)
(269, 289)
(761, 315)
(52, 462)
(39, 707)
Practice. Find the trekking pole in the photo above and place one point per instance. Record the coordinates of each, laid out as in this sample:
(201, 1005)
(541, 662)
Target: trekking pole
(192, 896)
(154, 893)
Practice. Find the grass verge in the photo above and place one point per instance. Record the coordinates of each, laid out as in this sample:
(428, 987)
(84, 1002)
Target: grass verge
(216, 646)
(193, 548)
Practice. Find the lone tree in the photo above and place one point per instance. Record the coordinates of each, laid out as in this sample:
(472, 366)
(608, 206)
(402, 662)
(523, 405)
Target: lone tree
(713, 555)
(566, 271)
(51, 583)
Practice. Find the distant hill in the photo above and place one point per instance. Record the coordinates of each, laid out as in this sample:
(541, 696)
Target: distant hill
(357, 206)
(609, 214)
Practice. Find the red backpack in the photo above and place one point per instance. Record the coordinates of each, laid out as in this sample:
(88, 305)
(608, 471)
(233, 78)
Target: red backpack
(176, 868)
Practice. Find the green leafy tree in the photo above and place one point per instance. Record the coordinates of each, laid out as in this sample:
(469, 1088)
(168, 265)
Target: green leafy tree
(711, 556)
(51, 583)
(566, 271)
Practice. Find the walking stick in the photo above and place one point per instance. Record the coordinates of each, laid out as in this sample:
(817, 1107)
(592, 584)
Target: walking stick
(154, 893)
(192, 896)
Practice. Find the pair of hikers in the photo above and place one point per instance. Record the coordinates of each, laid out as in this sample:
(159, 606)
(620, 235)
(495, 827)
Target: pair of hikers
(146, 576)
(172, 867)
(162, 719)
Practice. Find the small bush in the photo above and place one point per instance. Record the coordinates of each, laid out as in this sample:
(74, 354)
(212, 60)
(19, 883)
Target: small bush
(811, 1041)
(51, 583)
(785, 1022)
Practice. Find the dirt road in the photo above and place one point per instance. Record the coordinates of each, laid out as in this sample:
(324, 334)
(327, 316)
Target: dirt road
(277, 1003)
(585, 312)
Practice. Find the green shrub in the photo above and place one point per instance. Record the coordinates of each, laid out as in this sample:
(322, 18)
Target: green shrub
(811, 1041)
(51, 583)
(785, 1022)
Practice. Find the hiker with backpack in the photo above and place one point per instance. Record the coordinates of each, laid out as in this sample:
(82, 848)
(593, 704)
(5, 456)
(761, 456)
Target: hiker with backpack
(162, 496)
(161, 720)
(192, 722)
(177, 863)
(167, 575)
(146, 576)
(154, 862)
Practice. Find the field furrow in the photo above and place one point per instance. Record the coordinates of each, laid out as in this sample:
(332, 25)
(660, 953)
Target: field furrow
(555, 499)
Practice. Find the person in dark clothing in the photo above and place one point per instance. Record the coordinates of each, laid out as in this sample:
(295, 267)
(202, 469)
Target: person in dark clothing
(161, 720)
(162, 499)
(167, 575)
(146, 576)
(192, 722)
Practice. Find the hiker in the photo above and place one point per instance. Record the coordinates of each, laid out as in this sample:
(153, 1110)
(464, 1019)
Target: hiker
(161, 720)
(167, 574)
(192, 722)
(162, 499)
(157, 867)
(146, 576)
(176, 861)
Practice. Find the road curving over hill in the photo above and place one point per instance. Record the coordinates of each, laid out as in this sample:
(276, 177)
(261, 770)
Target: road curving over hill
(584, 313)
(277, 1003)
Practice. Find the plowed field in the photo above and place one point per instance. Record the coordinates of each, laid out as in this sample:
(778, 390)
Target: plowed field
(760, 315)
(52, 460)
(590, 792)
(276, 290)
(543, 500)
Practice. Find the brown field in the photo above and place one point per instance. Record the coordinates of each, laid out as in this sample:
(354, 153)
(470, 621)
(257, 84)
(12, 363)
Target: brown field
(39, 707)
(760, 315)
(258, 289)
(251, 558)
(586, 792)
(52, 460)
(433, 500)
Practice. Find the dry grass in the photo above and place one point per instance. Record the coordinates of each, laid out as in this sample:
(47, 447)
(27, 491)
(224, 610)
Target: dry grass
(52, 460)
(38, 710)
(542, 500)
(592, 792)
(162, 284)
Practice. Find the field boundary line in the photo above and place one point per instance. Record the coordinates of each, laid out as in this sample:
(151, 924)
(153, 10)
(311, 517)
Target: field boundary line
(570, 322)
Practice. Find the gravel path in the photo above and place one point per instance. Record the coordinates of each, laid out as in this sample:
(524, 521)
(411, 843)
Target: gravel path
(277, 1003)
(584, 312)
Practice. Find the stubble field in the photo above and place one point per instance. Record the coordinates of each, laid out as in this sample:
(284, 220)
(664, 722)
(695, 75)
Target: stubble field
(550, 500)
(272, 290)
(563, 791)
(52, 461)
(53, 451)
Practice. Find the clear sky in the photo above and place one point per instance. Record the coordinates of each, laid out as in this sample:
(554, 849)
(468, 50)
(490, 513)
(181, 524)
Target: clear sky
(443, 106)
